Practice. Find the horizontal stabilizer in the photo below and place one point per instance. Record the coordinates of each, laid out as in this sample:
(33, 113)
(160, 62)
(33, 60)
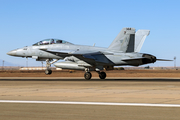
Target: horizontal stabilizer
(150, 58)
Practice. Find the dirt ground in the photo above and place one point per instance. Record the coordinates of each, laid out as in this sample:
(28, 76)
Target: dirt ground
(118, 91)
(113, 73)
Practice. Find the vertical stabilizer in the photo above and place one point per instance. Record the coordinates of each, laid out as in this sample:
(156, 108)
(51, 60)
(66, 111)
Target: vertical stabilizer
(124, 41)
(130, 47)
(140, 36)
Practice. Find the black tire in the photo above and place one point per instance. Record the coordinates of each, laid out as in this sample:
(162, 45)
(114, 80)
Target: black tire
(87, 75)
(48, 72)
(102, 75)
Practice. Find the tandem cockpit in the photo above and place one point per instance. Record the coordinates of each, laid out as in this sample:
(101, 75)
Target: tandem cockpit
(51, 41)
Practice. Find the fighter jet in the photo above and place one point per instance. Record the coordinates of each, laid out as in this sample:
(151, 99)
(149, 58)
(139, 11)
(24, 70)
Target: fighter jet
(124, 50)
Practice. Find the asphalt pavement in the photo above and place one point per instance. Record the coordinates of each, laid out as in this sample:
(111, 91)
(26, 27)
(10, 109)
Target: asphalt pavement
(113, 90)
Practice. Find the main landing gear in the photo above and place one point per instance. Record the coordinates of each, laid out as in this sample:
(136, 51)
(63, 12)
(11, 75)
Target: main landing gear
(88, 75)
(48, 70)
(102, 75)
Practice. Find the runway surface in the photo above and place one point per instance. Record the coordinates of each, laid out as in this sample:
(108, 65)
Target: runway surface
(152, 91)
(91, 103)
(85, 112)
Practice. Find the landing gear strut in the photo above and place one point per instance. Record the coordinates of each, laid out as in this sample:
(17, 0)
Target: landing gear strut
(87, 74)
(48, 70)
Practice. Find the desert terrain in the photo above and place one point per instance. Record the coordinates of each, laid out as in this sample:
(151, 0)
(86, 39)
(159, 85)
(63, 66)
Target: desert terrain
(112, 73)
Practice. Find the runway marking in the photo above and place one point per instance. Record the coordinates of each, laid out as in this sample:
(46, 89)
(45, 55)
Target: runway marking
(92, 103)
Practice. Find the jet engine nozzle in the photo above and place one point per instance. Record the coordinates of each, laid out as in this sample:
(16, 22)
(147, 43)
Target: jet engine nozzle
(148, 58)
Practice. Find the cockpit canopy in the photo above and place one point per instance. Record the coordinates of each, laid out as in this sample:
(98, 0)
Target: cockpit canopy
(51, 41)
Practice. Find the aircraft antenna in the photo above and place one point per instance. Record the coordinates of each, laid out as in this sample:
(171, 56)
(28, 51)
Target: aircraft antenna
(3, 65)
(42, 64)
(27, 62)
(175, 62)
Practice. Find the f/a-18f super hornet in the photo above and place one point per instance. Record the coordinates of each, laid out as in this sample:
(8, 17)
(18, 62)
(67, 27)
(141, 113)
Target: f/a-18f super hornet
(124, 50)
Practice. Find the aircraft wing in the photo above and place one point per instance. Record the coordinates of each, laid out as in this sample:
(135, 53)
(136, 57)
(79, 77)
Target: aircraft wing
(87, 56)
(97, 57)
(69, 52)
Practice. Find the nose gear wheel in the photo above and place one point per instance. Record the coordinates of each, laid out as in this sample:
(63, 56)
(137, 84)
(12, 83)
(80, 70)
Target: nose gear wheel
(48, 72)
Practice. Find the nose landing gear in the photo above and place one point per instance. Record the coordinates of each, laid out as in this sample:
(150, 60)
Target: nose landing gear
(48, 70)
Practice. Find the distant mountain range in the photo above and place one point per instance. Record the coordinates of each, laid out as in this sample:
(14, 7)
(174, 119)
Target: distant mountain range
(7, 63)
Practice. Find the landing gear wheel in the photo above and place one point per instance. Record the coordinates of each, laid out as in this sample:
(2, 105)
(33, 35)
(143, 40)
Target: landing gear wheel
(48, 72)
(87, 75)
(102, 75)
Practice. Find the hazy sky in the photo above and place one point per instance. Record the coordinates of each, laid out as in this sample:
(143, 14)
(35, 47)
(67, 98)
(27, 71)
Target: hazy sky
(85, 22)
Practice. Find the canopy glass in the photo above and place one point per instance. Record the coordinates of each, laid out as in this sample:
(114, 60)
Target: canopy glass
(51, 41)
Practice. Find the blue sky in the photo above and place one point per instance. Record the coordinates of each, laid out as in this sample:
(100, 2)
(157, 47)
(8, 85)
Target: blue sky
(85, 22)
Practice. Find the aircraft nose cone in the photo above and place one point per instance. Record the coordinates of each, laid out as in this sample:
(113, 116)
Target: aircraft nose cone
(12, 53)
